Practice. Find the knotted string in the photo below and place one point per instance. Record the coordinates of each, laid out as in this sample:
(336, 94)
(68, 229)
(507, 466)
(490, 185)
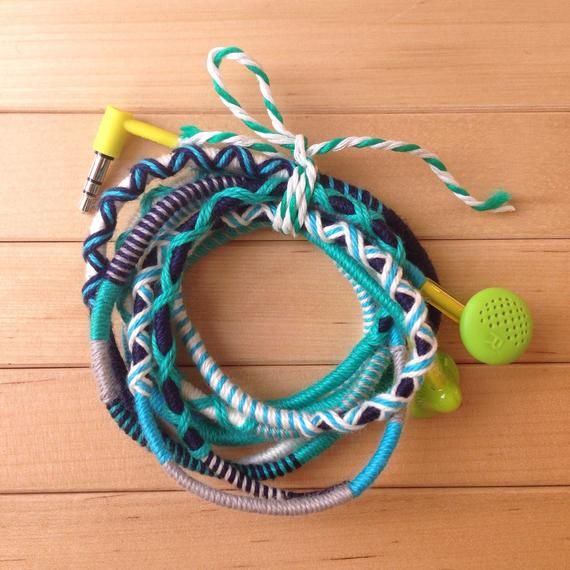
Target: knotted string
(301, 185)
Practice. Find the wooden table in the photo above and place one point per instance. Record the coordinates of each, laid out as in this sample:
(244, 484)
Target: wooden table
(485, 84)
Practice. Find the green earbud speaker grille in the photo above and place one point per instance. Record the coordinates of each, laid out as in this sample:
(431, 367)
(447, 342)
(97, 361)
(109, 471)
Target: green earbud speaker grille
(508, 315)
(496, 326)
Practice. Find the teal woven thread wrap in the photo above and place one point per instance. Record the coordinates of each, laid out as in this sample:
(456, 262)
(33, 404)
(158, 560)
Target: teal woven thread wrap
(215, 187)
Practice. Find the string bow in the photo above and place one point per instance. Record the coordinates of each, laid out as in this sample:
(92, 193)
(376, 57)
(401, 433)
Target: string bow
(292, 211)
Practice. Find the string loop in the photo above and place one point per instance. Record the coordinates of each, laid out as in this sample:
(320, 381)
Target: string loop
(281, 137)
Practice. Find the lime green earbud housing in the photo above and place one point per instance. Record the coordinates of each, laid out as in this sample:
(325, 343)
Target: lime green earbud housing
(496, 326)
(440, 393)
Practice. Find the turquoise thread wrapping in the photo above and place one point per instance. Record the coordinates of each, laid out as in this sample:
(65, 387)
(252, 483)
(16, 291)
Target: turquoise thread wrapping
(227, 185)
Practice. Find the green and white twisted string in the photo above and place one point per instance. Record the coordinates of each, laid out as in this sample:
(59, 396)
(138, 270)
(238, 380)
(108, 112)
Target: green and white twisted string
(301, 186)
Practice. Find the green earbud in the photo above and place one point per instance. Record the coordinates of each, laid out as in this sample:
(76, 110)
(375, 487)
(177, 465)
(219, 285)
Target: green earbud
(440, 393)
(495, 326)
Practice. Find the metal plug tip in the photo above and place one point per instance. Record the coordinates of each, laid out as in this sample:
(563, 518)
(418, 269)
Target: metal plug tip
(86, 203)
(95, 179)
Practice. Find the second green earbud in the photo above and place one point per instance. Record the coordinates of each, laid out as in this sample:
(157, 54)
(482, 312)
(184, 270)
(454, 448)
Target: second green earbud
(496, 326)
(440, 393)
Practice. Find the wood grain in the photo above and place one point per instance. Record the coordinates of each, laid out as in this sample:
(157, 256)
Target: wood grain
(486, 85)
(251, 309)
(524, 153)
(512, 430)
(424, 529)
(367, 57)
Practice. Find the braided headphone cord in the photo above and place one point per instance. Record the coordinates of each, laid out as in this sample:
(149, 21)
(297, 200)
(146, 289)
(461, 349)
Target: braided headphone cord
(217, 186)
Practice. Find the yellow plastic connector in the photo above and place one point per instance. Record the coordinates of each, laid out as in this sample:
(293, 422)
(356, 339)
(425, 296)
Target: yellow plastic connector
(112, 135)
(114, 129)
(151, 133)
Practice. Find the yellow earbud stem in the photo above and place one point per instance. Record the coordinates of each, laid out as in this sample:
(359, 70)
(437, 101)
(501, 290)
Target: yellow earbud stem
(442, 300)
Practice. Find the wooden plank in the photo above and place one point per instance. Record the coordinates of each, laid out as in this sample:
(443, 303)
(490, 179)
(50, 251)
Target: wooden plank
(484, 151)
(392, 56)
(252, 309)
(486, 86)
(424, 529)
(510, 431)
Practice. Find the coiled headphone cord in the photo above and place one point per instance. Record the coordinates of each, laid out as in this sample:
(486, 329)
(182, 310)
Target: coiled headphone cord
(210, 189)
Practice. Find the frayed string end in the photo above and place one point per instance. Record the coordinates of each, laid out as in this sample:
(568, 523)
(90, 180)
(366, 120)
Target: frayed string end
(496, 203)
